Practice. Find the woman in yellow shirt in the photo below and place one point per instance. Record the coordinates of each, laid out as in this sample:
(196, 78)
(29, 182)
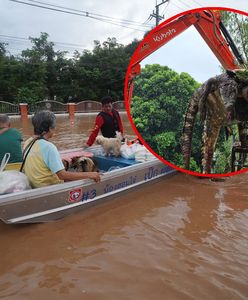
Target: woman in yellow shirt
(43, 165)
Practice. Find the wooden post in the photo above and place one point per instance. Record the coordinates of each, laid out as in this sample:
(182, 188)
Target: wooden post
(71, 111)
(24, 110)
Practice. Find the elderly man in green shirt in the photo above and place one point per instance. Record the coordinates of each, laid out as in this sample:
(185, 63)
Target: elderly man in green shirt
(10, 142)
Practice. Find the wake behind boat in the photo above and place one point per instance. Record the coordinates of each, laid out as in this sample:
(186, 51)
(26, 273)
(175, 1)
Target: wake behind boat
(57, 201)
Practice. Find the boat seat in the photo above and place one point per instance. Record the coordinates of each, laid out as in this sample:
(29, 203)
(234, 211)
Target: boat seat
(106, 162)
(13, 166)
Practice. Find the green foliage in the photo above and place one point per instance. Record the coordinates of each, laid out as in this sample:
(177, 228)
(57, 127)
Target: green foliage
(242, 75)
(2, 49)
(165, 143)
(222, 155)
(10, 78)
(41, 72)
(102, 71)
(194, 166)
(237, 26)
(27, 95)
(158, 108)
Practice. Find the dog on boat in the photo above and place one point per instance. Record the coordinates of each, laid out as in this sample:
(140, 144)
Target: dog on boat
(111, 146)
(66, 164)
(83, 164)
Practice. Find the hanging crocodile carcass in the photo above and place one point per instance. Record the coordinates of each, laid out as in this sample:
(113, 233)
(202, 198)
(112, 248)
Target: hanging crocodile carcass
(216, 101)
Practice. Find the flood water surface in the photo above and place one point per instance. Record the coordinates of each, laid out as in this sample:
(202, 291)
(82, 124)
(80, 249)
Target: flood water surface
(178, 238)
(69, 133)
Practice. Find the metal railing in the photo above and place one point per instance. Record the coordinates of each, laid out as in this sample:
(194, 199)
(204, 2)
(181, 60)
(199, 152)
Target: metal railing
(119, 105)
(88, 106)
(9, 108)
(58, 107)
(52, 105)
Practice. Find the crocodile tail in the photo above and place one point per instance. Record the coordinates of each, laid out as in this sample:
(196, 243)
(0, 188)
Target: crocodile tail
(198, 103)
(188, 127)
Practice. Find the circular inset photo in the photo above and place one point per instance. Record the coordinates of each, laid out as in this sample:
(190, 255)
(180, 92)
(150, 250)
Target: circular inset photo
(186, 92)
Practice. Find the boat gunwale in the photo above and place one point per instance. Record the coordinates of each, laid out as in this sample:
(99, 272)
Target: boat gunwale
(78, 204)
(63, 187)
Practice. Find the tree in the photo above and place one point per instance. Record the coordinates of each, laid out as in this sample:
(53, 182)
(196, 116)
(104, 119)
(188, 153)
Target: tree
(41, 68)
(41, 72)
(102, 71)
(2, 50)
(158, 108)
(237, 25)
(9, 68)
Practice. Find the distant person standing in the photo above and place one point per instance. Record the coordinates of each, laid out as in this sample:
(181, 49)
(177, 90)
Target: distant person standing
(70, 99)
(10, 142)
(108, 121)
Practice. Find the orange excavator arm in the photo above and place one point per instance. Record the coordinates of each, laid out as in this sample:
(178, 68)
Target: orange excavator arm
(208, 24)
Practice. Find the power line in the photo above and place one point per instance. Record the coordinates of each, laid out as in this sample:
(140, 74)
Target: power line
(165, 8)
(155, 14)
(106, 19)
(12, 41)
(113, 23)
(91, 13)
(180, 7)
(148, 19)
(20, 39)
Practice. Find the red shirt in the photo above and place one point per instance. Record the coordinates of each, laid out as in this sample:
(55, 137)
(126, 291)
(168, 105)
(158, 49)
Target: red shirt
(98, 124)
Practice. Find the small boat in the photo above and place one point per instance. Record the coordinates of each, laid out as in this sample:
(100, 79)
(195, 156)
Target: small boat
(57, 201)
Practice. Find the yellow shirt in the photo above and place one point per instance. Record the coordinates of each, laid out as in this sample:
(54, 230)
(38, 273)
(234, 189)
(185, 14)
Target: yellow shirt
(42, 164)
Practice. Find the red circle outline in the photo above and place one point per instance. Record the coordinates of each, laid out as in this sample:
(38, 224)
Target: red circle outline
(128, 104)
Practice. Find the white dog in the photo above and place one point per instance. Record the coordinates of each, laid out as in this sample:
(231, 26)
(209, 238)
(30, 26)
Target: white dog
(110, 145)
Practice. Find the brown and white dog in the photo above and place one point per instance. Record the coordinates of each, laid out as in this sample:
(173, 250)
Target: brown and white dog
(110, 145)
(83, 164)
(66, 164)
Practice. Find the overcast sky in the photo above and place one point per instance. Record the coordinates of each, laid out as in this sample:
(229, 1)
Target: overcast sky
(186, 53)
(17, 19)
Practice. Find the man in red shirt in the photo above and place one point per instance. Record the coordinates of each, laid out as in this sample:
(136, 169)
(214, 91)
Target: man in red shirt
(108, 121)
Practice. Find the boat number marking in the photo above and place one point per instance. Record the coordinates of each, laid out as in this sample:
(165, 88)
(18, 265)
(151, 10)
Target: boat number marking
(78, 195)
(88, 195)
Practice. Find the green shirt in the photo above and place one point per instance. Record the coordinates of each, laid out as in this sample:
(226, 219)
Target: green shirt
(10, 141)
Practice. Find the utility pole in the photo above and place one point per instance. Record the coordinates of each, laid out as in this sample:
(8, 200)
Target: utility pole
(156, 13)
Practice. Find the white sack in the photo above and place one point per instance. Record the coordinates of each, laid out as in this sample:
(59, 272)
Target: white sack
(13, 181)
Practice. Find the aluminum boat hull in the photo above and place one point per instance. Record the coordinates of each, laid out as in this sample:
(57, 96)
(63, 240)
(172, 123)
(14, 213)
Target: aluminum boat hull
(57, 201)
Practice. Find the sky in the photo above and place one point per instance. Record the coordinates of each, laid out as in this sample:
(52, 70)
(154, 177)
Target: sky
(19, 20)
(186, 53)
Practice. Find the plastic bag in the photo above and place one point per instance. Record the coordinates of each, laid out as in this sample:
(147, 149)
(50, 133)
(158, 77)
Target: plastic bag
(127, 151)
(142, 154)
(137, 152)
(12, 181)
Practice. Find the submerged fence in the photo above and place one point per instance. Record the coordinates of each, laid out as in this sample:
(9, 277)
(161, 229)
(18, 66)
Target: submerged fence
(119, 105)
(85, 106)
(9, 108)
(52, 105)
(88, 106)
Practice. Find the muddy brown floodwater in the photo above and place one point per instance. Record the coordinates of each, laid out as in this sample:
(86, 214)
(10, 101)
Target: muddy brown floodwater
(70, 133)
(178, 238)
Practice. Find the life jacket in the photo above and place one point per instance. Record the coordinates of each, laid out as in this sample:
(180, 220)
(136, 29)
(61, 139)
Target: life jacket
(111, 124)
